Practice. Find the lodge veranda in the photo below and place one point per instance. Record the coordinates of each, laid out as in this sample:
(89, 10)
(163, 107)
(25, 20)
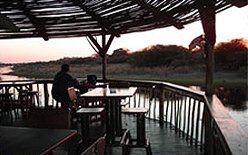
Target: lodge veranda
(196, 120)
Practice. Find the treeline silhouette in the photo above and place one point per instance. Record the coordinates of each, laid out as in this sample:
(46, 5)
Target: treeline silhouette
(159, 60)
(228, 56)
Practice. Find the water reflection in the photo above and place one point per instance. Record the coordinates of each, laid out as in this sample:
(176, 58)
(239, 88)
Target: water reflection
(8, 69)
(234, 98)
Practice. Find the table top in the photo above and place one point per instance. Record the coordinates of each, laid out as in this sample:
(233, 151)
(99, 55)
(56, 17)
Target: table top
(110, 93)
(20, 140)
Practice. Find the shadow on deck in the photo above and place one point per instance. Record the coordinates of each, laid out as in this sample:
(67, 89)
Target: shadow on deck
(164, 140)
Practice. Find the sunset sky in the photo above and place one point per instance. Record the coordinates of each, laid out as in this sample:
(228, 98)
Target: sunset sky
(230, 24)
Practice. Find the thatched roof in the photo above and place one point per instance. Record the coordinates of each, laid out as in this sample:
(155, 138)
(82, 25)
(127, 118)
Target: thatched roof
(75, 18)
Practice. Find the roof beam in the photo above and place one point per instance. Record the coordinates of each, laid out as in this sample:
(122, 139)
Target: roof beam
(207, 14)
(158, 15)
(238, 3)
(6, 23)
(104, 24)
(38, 24)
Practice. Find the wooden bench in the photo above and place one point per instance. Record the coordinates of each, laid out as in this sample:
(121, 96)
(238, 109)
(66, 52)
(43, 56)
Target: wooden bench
(85, 114)
(141, 140)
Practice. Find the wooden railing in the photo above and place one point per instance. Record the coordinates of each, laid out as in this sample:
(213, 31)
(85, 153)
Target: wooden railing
(202, 121)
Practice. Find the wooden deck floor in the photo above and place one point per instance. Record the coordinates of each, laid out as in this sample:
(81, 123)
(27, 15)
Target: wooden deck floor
(164, 140)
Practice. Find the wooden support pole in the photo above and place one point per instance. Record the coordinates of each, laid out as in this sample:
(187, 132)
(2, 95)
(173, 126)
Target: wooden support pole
(161, 107)
(207, 13)
(208, 145)
(102, 50)
(104, 59)
(210, 69)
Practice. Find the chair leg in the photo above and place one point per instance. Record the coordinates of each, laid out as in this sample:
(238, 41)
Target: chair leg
(148, 148)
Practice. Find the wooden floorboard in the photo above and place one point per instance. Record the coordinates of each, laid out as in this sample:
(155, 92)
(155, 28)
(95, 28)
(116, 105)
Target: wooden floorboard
(164, 140)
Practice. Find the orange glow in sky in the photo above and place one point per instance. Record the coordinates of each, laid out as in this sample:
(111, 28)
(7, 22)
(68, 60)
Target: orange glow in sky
(230, 24)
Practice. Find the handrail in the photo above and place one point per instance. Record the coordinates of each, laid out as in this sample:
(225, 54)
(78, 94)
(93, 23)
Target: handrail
(217, 133)
(203, 122)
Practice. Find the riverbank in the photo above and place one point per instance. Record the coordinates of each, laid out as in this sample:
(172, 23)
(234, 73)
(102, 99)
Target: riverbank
(197, 78)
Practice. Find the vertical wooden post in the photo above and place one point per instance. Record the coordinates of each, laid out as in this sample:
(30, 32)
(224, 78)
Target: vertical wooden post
(207, 13)
(104, 70)
(188, 124)
(210, 69)
(184, 116)
(46, 94)
(167, 106)
(102, 50)
(104, 58)
(175, 111)
(161, 107)
(197, 122)
(208, 146)
(192, 121)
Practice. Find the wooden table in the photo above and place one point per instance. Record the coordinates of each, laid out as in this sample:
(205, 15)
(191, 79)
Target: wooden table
(20, 86)
(18, 140)
(111, 97)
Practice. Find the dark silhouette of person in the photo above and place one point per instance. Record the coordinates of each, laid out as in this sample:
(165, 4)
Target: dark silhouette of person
(62, 81)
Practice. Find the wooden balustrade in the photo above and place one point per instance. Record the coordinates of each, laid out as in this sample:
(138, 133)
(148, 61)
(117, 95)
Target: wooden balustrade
(200, 120)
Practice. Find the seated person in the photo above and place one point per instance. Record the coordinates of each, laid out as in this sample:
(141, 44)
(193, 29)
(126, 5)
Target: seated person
(62, 81)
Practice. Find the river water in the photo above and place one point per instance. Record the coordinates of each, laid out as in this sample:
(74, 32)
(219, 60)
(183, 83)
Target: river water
(234, 99)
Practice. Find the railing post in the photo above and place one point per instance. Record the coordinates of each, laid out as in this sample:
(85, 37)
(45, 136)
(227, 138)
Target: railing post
(208, 149)
(161, 106)
(46, 95)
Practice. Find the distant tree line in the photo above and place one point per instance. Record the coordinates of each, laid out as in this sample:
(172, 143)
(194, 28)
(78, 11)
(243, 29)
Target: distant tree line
(230, 55)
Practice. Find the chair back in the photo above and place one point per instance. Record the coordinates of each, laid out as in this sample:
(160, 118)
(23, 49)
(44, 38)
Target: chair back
(92, 79)
(119, 84)
(73, 97)
(49, 118)
(97, 148)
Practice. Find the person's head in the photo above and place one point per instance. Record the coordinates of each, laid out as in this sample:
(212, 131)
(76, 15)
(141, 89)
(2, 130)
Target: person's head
(64, 68)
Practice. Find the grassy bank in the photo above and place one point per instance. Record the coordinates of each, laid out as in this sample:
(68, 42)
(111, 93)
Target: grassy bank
(181, 76)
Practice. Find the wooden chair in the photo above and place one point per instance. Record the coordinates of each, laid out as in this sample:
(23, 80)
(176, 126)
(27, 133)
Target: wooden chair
(97, 148)
(8, 104)
(125, 142)
(85, 113)
(73, 98)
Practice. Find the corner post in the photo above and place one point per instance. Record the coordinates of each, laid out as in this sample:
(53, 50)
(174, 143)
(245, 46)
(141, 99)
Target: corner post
(207, 14)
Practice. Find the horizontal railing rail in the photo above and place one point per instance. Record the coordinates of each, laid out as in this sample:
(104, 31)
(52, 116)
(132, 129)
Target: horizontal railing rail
(189, 112)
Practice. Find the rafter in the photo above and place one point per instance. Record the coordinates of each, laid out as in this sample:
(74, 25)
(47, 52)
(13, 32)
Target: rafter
(6, 23)
(207, 13)
(238, 3)
(38, 24)
(158, 15)
(104, 24)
